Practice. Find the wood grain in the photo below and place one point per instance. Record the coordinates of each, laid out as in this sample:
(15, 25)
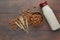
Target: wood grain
(10, 8)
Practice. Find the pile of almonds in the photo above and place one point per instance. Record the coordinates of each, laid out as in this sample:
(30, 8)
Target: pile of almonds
(33, 19)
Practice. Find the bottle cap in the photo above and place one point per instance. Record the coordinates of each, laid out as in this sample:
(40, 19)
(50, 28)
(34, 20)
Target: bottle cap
(43, 3)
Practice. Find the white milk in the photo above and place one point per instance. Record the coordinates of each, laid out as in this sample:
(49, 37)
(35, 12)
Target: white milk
(51, 18)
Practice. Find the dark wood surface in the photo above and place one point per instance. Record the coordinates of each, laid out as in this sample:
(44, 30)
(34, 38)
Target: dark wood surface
(10, 8)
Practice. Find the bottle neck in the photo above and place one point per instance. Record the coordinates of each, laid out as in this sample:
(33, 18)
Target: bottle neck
(43, 4)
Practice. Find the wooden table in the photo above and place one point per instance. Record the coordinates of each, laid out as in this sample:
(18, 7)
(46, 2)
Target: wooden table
(10, 8)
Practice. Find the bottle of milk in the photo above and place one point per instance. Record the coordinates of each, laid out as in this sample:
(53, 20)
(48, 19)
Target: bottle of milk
(49, 15)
